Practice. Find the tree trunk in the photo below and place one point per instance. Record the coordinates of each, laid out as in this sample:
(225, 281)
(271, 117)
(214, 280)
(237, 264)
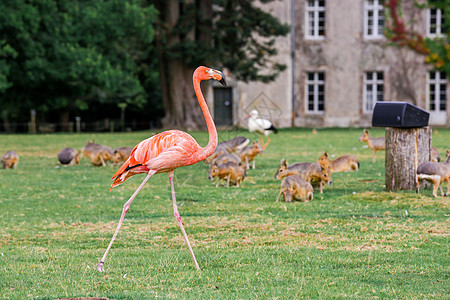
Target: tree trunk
(406, 149)
(64, 119)
(180, 103)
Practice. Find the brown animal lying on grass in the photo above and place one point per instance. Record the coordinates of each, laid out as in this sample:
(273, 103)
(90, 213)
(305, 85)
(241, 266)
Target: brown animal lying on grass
(231, 171)
(223, 158)
(69, 156)
(121, 154)
(249, 153)
(314, 173)
(295, 187)
(10, 160)
(229, 146)
(343, 163)
(436, 173)
(99, 155)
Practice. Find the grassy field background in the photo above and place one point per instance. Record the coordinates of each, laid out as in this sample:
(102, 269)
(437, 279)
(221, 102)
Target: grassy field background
(354, 240)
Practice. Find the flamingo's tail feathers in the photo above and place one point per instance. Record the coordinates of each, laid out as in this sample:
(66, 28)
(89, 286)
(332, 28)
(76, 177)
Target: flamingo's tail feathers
(121, 169)
(123, 173)
(119, 179)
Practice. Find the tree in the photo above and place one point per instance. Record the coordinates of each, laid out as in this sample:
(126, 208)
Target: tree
(232, 34)
(64, 56)
(436, 50)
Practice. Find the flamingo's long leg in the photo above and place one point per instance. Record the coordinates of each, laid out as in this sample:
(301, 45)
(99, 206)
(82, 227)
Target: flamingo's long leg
(178, 217)
(126, 207)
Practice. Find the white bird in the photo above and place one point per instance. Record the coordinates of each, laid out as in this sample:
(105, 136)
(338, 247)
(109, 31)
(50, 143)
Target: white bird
(261, 126)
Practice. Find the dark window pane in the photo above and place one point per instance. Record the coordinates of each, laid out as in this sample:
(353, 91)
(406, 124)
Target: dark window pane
(380, 88)
(321, 106)
(380, 75)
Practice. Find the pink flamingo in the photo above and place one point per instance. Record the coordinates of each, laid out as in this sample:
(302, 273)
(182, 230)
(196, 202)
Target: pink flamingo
(166, 151)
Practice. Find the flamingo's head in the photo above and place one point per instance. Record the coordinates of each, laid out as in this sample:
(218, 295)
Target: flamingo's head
(205, 73)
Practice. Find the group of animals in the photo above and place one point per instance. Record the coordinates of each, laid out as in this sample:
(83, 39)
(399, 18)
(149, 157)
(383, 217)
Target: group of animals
(232, 159)
(433, 171)
(98, 154)
(169, 150)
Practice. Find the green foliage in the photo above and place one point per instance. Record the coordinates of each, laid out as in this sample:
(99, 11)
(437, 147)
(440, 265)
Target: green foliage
(353, 241)
(437, 49)
(6, 51)
(245, 38)
(71, 54)
(440, 47)
(237, 35)
(74, 56)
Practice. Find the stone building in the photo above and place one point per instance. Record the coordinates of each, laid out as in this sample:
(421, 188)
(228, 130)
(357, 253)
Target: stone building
(338, 65)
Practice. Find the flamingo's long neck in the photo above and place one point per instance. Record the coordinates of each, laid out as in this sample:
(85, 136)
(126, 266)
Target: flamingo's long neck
(212, 132)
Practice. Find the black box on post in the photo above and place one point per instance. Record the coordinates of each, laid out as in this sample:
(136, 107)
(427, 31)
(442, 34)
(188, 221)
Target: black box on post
(399, 115)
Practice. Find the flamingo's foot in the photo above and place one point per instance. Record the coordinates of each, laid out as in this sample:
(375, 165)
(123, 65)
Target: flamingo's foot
(100, 266)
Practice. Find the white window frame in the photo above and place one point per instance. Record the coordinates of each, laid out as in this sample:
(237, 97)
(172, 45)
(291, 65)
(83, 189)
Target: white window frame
(316, 82)
(377, 10)
(315, 10)
(373, 94)
(438, 25)
(434, 85)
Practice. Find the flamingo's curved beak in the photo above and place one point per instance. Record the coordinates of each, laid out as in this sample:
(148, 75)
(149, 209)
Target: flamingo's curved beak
(222, 80)
(217, 75)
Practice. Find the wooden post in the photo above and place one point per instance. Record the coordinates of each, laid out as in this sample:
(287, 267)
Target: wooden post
(32, 123)
(406, 149)
(78, 124)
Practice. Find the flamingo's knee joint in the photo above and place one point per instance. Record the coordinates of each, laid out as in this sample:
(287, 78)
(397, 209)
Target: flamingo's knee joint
(177, 216)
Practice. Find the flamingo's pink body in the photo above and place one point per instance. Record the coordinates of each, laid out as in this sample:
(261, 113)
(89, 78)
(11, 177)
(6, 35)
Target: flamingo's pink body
(166, 151)
(163, 152)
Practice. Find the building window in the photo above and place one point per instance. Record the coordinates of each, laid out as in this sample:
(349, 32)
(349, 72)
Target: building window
(373, 90)
(315, 19)
(437, 91)
(435, 22)
(373, 19)
(315, 92)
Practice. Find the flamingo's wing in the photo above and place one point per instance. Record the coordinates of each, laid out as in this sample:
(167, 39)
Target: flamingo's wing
(162, 152)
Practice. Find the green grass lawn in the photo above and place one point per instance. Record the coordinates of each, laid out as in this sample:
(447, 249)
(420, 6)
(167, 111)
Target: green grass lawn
(354, 240)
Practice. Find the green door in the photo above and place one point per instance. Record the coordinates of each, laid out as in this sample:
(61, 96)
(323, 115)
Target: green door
(223, 109)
